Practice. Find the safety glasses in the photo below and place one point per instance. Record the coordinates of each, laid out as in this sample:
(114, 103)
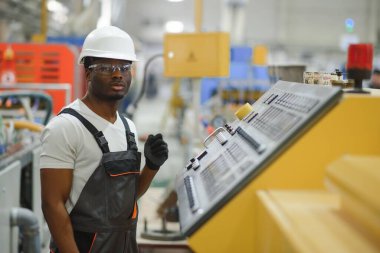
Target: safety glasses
(109, 68)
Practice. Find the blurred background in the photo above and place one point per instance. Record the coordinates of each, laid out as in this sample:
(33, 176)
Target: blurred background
(313, 32)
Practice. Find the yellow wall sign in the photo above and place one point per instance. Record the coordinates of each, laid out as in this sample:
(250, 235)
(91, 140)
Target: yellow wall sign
(197, 55)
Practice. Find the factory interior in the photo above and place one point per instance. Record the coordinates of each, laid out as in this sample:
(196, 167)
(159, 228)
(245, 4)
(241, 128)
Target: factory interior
(269, 108)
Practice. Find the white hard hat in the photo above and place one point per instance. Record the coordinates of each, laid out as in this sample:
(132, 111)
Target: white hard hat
(108, 42)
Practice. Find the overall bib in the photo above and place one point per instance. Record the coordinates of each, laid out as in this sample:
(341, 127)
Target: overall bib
(105, 217)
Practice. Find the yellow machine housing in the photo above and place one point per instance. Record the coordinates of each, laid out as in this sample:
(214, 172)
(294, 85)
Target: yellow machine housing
(197, 55)
(352, 126)
(346, 218)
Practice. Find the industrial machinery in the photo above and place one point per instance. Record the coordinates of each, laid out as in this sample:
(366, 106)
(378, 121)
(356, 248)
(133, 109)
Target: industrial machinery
(22, 225)
(263, 149)
(36, 81)
(42, 67)
(237, 153)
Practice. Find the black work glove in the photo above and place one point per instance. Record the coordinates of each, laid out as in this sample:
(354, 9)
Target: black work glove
(156, 151)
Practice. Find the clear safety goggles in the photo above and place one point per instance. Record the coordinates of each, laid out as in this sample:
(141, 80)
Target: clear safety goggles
(104, 68)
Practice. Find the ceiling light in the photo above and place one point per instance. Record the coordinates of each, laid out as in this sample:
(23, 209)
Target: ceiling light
(175, 1)
(55, 6)
(174, 26)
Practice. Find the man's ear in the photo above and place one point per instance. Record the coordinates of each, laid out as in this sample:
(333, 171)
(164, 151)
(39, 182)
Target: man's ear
(87, 73)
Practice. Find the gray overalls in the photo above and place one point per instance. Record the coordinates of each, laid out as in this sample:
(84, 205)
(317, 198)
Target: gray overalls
(105, 217)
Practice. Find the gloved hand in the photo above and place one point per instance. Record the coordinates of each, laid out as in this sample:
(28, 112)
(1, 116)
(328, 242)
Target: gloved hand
(156, 151)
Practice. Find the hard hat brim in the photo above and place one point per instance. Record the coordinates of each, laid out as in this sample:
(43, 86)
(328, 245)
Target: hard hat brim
(103, 54)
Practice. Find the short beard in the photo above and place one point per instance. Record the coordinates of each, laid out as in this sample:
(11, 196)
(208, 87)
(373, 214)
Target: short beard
(114, 97)
(109, 98)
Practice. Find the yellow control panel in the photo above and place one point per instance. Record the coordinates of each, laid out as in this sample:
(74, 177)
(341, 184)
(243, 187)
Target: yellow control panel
(197, 54)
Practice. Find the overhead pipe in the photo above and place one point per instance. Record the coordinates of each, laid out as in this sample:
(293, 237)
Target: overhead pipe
(198, 15)
(27, 221)
(44, 19)
(41, 37)
(130, 110)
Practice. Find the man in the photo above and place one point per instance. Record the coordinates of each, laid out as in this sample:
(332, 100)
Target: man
(90, 165)
(375, 79)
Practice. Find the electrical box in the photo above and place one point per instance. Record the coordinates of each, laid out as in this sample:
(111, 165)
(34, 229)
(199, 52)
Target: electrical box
(197, 54)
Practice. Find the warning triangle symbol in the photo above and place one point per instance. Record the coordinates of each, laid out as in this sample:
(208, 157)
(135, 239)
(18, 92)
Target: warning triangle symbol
(191, 57)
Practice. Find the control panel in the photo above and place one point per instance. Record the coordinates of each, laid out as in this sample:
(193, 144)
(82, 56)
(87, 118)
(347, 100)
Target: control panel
(236, 153)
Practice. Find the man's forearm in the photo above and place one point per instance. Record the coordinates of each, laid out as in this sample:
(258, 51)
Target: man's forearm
(145, 179)
(60, 228)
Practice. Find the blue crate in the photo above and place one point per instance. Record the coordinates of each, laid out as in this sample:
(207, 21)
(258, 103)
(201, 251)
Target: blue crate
(209, 87)
(241, 54)
(239, 71)
(76, 41)
(260, 73)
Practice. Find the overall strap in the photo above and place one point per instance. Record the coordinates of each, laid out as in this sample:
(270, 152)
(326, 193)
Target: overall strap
(98, 135)
(130, 136)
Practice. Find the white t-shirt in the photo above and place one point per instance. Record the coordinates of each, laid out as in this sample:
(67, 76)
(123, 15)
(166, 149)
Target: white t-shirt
(67, 144)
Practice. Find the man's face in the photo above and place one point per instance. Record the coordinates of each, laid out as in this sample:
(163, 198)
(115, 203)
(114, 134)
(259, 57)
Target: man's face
(376, 80)
(109, 79)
